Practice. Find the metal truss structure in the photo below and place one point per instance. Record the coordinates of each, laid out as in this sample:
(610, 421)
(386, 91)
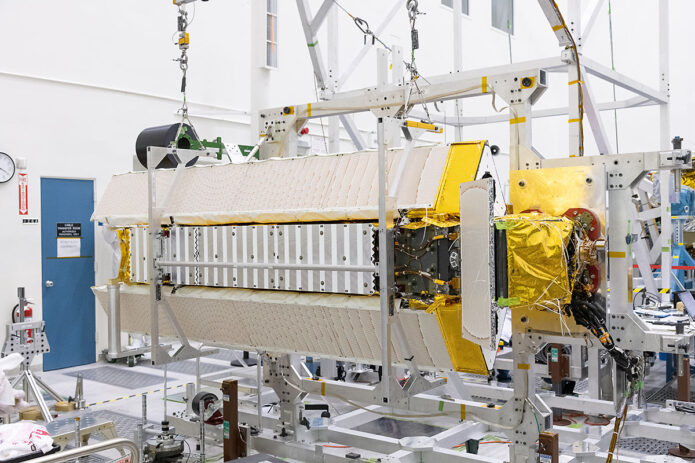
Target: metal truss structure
(526, 412)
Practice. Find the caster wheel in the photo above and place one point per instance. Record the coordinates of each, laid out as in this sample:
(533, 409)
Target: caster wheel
(109, 360)
(131, 361)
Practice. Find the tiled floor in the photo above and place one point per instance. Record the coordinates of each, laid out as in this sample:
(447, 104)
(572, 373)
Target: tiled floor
(117, 376)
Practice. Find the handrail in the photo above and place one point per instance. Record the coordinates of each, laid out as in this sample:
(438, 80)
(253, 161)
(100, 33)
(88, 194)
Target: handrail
(72, 454)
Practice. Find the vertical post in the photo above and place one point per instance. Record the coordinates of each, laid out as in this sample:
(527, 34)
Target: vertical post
(384, 290)
(573, 78)
(114, 321)
(619, 252)
(259, 389)
(153, 229)
(78, 437)
(144, 410)
(22, 339)
(397, 76)
(664, 77)
(594, 372)
(201, 417)
(666, 231)
(233, 447)
(664, 144)
(22, 305)
(519, 135)
(190, 393)
(259, 73)
(333, 75)
(524, 448)
(165, 391)
(458, 63)
(391, 129)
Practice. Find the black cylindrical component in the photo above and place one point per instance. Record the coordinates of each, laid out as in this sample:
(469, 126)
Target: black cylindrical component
(414, 39)
(163, 135)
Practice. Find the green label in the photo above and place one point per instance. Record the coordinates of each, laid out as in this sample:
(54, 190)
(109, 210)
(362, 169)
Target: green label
(508, 301)
(554, 355)
(501, 225)
(226, 429)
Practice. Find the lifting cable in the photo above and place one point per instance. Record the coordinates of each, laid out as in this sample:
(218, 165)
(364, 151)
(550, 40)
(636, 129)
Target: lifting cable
(575, 53)
(183, 42)
(413, 12)
(615, 111)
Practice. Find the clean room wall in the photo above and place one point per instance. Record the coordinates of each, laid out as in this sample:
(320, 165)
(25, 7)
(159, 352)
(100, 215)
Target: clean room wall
(80, 78)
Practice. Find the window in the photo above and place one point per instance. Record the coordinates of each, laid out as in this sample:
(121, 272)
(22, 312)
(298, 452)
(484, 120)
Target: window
(503, 15)
(271, 39)
(450, 4)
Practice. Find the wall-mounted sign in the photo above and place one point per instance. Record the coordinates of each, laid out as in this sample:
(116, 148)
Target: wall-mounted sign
(23, 182)
(68, 247)
(69, 230)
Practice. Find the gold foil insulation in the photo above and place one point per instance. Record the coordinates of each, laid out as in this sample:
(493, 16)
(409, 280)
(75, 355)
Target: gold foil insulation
(124, 267)
(538, 263)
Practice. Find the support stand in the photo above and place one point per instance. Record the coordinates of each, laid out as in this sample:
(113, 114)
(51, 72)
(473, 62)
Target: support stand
(115, 350)
(16, 340)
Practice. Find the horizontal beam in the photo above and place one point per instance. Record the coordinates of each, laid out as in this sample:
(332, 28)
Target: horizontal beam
(394, 97)
(622, 81)
(269, 266)
(552, 112)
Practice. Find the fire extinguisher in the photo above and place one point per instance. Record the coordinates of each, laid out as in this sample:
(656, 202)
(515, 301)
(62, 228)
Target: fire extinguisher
(28, 314)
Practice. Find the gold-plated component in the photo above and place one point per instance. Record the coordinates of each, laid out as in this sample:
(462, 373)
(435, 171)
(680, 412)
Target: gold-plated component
(461, 166)
(558, 189)
(466, 356)
(124, 266)
(538, 263)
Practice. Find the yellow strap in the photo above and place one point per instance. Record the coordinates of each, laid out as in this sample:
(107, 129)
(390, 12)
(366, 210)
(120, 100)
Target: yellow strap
(484, 85)
(463, 412)
(558, 27)
(517, 120)
(573, 120)
(616, 254)
(523, 366)
(309, 110)
(323, 388)
(572, 82)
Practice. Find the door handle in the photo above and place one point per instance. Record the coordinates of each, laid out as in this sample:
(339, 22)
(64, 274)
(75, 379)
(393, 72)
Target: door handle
(49, 284)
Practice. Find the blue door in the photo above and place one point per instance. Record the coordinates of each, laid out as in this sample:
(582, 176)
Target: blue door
(67, 257)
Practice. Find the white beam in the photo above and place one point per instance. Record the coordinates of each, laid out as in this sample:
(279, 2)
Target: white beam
(361, 54)
(332, 77)
(352, 131)
(313, 43)
(550, 112)
(621, 80)
(574, 21)
(591, 11)
(458, 60)
(321, 15)
(594, 117)
(664, 78)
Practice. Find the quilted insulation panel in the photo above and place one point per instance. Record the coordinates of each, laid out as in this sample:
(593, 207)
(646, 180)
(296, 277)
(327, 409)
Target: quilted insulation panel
(304, 189)
(323, 325)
